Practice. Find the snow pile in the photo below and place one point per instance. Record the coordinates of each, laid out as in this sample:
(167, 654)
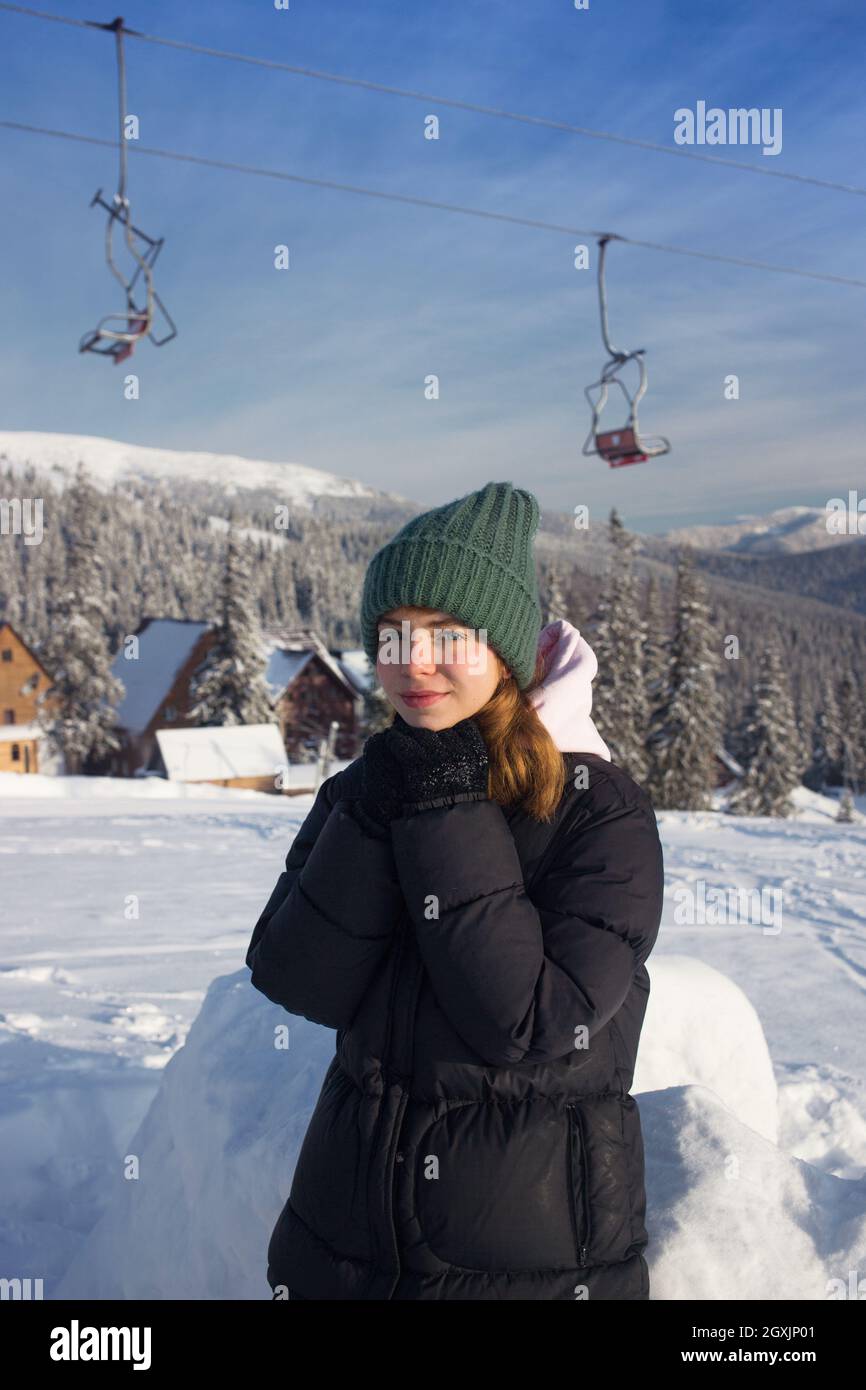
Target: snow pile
(733, 1217)
(700, 1028)
(730, 1214)
(216, 1151)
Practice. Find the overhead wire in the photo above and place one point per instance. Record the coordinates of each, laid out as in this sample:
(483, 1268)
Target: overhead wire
(455, 103)
(414, 201)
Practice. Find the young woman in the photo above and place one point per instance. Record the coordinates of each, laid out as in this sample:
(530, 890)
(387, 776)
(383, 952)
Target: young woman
(470, 904)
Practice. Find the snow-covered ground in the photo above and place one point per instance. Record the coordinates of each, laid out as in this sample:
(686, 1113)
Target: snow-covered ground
(148, 1127)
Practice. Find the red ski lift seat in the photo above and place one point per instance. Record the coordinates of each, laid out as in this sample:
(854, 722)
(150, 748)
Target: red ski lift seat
(619, 447)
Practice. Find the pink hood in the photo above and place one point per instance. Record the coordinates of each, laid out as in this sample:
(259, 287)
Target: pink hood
(564, 699)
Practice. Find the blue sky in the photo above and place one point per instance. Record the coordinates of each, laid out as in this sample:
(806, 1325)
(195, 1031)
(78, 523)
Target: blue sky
(324, 365)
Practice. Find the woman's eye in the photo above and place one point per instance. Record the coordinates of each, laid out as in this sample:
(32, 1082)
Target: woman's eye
(455, 632)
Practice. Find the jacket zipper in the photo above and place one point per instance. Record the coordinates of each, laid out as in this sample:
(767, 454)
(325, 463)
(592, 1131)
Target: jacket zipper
(584, 1234)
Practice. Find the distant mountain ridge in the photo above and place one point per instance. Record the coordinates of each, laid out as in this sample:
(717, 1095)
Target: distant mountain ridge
(110, 462)
(787, 530)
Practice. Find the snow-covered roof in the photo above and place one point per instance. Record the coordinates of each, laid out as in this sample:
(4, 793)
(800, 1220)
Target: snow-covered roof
(14, 733)
(222, 750)
(163, 646)
(357, 668)
(283, 667)
(288, 653)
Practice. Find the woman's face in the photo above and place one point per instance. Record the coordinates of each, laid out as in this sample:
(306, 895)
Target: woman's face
(427, 652)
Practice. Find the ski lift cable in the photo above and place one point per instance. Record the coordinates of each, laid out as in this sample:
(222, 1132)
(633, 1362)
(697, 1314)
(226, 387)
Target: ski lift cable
(122, 204)
(512, 219)
(455, 103)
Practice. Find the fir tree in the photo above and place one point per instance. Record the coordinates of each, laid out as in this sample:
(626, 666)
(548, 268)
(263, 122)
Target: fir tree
(656, 647)
(851, 733)
(378, 712)
(774, 755)
(686, 721)
(78, 711)
(619, 704)
(825, 768)
(229, 687)
(554, 604)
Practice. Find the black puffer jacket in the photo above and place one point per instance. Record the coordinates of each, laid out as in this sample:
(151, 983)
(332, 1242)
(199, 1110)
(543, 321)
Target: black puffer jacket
(474, 1137)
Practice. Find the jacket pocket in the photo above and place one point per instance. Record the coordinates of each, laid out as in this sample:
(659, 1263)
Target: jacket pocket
(489, 1188)
(581, 1215)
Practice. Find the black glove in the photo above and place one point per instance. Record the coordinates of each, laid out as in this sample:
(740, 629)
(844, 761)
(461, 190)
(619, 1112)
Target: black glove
(404, 766)
(381, 796)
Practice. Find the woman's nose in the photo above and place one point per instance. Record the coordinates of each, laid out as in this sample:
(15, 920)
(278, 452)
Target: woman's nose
(422, 656)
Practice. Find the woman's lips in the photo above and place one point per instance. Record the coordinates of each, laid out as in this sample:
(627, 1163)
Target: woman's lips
(417, 701)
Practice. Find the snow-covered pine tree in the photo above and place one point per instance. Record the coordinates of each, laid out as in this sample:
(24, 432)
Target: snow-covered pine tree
(229, 686)
(78, 711)
(685, 723)
(554, 604)
(825, 768)
(656, 646)
(773, 750)
(378, 712)
(11, 599)
(619, 704)
(852, 733)
(845, 813)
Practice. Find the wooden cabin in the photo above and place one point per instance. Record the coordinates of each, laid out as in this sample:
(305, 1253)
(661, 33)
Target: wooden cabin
(22, 679)
(155, 674)
(310, 688)
(250, 756)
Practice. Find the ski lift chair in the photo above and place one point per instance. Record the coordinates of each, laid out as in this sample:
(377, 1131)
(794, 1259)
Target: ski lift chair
(624, 445)
(119, 342)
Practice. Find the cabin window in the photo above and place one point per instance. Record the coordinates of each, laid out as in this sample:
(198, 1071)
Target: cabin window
(8, 716)
(16, 752)
(169, 713)
(7, 653)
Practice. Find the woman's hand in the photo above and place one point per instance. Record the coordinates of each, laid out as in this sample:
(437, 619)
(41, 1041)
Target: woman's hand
(404, 765)
(437, 763)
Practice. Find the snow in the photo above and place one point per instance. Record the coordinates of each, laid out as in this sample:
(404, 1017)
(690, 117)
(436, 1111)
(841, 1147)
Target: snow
(355, 664)
(132, 1041)
(248, 533)
(14, 733)
(111, 461)
(221, 751)
(283, 667)
(705, 1031)
(787, 530)
(164, 644)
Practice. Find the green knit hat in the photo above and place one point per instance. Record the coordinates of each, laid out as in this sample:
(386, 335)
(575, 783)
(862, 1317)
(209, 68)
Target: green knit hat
(472, 558)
